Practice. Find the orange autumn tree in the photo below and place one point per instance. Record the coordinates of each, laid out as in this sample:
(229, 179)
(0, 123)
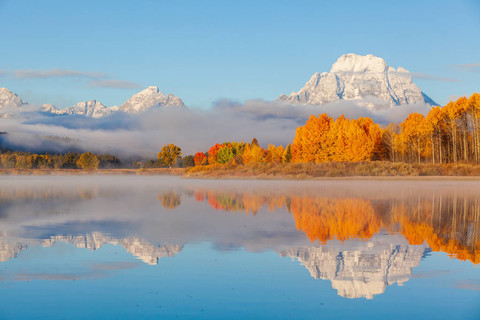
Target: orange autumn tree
(414, 129)
(212, 153)
(253, 153)
(324, 139)
(436, 126)
(311, 142)
(200, 159)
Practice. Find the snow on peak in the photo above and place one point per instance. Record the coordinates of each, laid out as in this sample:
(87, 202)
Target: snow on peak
(139, 102)
(10, 99)
(148, 98)
(400, 69)
(356, 63)
(91, 109)
(365, 79)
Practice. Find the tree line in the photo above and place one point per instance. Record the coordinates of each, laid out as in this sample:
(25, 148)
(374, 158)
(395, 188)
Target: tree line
(70, 160)
(449, 134)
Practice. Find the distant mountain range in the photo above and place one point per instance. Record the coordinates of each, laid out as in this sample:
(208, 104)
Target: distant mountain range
(151, 97)
(365, 80)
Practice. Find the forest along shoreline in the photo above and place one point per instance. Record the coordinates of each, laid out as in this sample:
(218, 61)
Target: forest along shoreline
(445, 142)
(289, 171)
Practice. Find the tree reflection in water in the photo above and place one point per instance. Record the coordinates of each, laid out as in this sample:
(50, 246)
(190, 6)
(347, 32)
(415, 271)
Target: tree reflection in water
(446, 222)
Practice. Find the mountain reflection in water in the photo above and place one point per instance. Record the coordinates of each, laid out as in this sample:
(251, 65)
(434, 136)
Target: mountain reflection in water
(361, 235)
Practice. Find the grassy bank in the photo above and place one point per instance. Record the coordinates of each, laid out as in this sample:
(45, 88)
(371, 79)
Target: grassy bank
(280, 171)
(156, 171)
(332, 169)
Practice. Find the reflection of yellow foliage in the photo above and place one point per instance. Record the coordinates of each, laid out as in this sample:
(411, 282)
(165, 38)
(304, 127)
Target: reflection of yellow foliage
(239, 202)
(447, 224)
(169, 200)
(86, 194)
(417, 233)
(323, 219)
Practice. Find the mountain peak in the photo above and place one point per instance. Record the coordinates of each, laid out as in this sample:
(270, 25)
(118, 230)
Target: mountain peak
(356, 63)
(365, 79)
(152, 88)
(10, 99)
(148, 98)
(91, 109)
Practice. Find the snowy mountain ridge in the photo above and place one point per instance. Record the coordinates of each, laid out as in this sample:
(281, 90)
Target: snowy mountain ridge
(145, 100)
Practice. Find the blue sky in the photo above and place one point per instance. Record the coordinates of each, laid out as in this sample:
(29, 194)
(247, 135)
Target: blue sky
(63, 52)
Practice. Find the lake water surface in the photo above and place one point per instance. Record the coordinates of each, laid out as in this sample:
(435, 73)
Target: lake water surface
(162, 247)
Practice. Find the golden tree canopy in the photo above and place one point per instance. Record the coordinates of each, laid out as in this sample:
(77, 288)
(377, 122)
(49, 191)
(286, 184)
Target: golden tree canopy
(169, 154)
(88, 161)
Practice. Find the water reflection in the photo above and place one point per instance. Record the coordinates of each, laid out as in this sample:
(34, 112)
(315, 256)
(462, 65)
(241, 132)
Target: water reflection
(170, 199)
(447, 222)
(362, 236)
(361, 269)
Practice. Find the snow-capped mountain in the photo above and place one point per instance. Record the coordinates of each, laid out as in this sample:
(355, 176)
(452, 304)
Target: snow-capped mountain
(148, 98)
(365, 79)
(9, 103)
(10, 99)
(91, 109)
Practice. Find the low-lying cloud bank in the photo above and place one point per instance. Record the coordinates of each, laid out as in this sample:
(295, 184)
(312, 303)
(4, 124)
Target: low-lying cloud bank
(143, 135)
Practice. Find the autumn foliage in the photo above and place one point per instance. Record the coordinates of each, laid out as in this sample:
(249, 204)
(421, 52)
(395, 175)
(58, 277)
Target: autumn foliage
(88, 161)
(200, 159)
(448, 134)
(324, 139)
(169, 154)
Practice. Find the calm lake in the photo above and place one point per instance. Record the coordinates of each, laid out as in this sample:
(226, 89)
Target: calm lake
(163, 247)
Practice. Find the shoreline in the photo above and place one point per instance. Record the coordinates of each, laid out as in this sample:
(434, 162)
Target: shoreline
(323, 171)
(101, 172)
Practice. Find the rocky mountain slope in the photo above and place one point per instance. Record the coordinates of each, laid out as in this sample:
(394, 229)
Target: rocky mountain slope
(365, 79)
